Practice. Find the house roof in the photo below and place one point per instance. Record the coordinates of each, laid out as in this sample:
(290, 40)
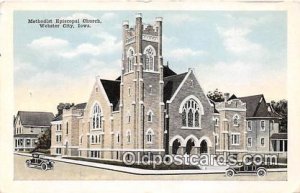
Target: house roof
(279, 136)
(31, 118)
(112, 89)
(252, 104)
(80, 106)
(171, 83)
(257, 106)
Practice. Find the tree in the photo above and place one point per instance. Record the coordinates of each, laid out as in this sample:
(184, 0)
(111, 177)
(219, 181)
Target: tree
(44, 141)
(215, 96)
(281, 107)
(62, 106)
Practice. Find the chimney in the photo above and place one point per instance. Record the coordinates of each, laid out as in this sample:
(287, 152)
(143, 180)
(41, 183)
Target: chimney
(226, 96)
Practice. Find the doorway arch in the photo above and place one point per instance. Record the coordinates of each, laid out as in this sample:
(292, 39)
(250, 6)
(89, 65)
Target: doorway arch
(175, 146)
(189, 146)
(203, 147)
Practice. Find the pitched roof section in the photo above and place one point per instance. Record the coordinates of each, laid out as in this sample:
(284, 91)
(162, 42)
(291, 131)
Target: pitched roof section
(171, 83)
(112, 89)
(31, 118)
(80, 106)
(257, 106)
(168, 71)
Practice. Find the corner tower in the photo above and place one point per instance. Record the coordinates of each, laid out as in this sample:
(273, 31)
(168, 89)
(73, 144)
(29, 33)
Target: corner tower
(142, 85)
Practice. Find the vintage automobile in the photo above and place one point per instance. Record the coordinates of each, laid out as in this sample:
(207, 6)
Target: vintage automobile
(38, 160)
(259, 170)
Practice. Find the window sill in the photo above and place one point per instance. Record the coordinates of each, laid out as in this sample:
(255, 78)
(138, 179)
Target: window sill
(235, 144)
(195, 128)
(96, 129)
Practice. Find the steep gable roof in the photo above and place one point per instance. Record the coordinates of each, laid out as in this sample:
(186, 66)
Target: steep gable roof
(31, 118)
(112, 90)
(168, 71)
(256, 106)
(171, 83)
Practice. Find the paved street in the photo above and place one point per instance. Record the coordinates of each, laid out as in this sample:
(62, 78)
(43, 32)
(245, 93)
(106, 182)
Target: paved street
(66, 171)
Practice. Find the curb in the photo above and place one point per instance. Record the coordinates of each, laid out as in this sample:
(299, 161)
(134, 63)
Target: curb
(138, 171)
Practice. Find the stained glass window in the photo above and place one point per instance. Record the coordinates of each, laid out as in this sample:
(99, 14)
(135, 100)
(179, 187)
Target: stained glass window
(96, 117)
(184, 117)
(149, 60)
(191, 114)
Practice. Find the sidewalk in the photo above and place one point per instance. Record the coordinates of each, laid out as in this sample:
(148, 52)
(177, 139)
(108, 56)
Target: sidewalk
(138, 171)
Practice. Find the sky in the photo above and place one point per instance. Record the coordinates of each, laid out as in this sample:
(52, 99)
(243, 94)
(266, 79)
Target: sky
(243, 53)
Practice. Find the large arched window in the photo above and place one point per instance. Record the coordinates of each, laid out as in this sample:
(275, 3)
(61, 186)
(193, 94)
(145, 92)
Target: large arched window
(149, 53)
(130, 59)
(191, 110)
(97, 122)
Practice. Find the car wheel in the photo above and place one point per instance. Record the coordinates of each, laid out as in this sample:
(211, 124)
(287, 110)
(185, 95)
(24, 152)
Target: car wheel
(230, 173)
(44, 166)
(261, 172)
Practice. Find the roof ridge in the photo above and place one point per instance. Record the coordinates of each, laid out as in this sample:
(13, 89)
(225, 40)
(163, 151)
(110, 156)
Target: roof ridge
(251, 96)
(110, 80)
(36, 112)
(176, 75)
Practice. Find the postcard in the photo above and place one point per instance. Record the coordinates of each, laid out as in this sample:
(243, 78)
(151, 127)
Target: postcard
(101, 93)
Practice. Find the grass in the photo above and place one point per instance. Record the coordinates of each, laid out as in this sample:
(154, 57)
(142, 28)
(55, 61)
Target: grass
(141, 166)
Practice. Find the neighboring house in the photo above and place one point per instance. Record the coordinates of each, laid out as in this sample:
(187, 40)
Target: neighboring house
(65, 131)
(262, 124)
(230, 126)
(28, 126)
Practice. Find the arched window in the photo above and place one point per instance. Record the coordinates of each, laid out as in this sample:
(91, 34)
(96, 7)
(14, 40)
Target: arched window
(236, 120)
(96, 139)
(149, 136)
(149, 116)
(97, 122)
(149, 58)
(191, 111)
(118, 138)
(130, 59)
(67, 128)
(216, 122)
(81, 137)
(128, 136)
(93, 139)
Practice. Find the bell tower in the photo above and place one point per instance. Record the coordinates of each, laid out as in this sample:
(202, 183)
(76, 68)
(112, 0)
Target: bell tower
(142, 85)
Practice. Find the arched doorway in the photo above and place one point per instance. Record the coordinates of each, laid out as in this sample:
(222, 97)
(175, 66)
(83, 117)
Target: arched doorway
(189, 146)
(203, 146)
(175, 146)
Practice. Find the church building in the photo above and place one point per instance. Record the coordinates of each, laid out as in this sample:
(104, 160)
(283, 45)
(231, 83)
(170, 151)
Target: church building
(149, 108)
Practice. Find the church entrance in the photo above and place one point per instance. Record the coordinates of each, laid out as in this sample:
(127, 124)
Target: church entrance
(189, 146)
(203, 147)
(175, 146)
